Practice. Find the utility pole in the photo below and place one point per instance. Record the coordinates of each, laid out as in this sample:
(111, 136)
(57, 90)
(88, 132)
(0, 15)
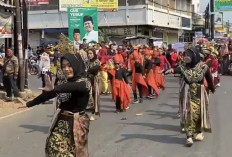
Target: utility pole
(212, 18)
(19, 47)
(207, 21)
(8, 41)
(25, 40)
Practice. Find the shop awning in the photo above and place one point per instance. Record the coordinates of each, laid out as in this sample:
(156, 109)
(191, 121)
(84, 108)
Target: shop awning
(136, 37)
(143, 37)
(155, 38)
(7, 6)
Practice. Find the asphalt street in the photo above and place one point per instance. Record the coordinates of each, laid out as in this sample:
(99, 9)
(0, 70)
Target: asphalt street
(155, 132)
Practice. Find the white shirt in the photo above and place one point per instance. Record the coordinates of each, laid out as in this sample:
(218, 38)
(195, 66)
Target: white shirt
(28, 53)
(44, 63)
(91, 36)
(76, 44)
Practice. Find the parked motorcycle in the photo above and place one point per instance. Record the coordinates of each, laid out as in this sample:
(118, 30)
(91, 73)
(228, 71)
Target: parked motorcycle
(33, 66)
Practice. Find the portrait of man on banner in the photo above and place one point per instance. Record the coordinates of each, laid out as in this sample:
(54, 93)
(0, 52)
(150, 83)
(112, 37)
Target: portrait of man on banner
(91, 36)
(77, 38)
(83, 25)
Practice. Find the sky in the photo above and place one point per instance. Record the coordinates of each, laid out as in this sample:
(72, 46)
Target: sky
(226, 14)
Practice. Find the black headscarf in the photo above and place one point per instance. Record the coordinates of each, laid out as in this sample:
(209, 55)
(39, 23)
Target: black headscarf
(195, 57)
(77, 64)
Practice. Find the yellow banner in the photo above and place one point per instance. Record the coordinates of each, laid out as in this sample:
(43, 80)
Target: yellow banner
(220, 29)
(105, 5)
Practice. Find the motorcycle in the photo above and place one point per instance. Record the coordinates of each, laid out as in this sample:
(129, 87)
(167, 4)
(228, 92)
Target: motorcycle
(33, 66)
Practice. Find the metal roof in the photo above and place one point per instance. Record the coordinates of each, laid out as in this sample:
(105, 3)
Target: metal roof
(8, 6)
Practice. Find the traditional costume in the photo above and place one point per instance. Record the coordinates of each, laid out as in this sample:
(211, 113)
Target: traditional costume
(120, 88)
(150, 79)
(164, 63)
(195, 100)
(68, 135)
(214, 71)
(104, 85)
(174, 58)
(158, 74)
(138, 80)
(224, 52)
(93, 68)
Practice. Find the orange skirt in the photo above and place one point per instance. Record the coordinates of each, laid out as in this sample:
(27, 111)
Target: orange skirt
(137, 78)
(152, 82)
(159, 77)
(122, 90)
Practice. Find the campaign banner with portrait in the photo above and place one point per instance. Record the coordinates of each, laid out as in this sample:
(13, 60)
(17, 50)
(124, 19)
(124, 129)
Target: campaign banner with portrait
(104, 5)
(222, 5)
(83, 25)
(6, 25)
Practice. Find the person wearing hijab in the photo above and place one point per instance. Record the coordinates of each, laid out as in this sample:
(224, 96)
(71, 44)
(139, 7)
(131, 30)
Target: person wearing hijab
(164, 63)
(158, 74)
(138, 77)
(120, 87)
(103, 70)
(93, 69)
(151, 83)
(224, 52)
(194, 107)
(68, 135)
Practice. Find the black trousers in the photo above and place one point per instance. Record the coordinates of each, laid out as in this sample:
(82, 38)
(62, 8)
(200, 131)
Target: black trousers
(140, 89)
(43, 78)
(118, 103)
(9, 85)
(150, 89)
(225, 65)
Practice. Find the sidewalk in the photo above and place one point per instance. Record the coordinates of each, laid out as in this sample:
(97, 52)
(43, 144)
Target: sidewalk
(11, 108)
(14, 107)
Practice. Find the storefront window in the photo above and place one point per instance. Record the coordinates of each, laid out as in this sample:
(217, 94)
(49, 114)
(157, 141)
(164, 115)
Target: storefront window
(122, 2)
(157, 34)
(186, 22)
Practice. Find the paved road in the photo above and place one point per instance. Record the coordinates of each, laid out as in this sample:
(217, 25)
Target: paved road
(155, 134)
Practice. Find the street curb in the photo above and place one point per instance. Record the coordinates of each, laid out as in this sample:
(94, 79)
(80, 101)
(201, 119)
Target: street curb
(10, 115)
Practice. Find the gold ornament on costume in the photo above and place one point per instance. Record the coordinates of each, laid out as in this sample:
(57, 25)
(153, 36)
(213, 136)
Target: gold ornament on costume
(65, 46)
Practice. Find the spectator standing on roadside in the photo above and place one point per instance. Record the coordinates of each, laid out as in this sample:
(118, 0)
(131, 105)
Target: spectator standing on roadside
(10, 74)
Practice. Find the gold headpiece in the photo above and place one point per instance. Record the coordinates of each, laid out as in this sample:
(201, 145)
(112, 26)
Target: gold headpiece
(65, 46)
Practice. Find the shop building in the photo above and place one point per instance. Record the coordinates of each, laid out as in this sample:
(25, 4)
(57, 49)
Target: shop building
(150, 19)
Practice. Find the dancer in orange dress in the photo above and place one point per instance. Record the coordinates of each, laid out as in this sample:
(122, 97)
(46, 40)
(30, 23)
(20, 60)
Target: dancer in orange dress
(158, 74)
(151, 82)
(138, 81)
(120, 88)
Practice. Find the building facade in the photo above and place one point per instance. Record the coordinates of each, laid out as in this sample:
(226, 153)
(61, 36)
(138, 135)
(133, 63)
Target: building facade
(151, 20)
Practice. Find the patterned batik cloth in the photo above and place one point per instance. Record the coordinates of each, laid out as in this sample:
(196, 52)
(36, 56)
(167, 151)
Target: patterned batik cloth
(194, 100)
(94, 100)
(193, 122)
(69, 138)
(61, 142)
